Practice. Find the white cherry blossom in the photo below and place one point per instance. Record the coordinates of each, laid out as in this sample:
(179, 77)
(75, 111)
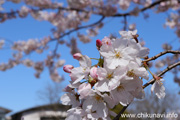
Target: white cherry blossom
(84, 90)
(118, 54)
(79, 73)
(125, 92)
(158, 88)
(75, 114)
(128, 34)
(135, 70)
(70, 99)
(95, 103)
(109, 79)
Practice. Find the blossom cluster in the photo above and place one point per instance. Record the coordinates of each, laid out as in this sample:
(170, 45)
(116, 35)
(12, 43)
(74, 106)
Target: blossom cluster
(117, 78)
(24, 48)
(72, 15)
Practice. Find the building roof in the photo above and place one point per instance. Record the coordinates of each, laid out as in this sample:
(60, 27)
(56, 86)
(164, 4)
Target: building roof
(54, 107)
(4, 110)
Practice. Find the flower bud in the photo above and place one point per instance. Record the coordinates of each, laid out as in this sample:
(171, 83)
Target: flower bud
(68, 68)
(93, 72)
(84, 90)
(98, 44)
(77, 56)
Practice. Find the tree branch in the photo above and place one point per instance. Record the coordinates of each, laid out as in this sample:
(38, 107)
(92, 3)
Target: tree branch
(82, 10)
(125, 23)
(162, 73)
(121, 112)
(141, 10)
(78, 28)
(147, 84)
(161, 54)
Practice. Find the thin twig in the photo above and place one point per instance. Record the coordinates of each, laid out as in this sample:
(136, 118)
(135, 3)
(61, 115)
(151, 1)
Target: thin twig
(161, 54)
(56, 48)
(125, 23)
(147, 84)
(78, 28)
(121, 112)
(162, 73)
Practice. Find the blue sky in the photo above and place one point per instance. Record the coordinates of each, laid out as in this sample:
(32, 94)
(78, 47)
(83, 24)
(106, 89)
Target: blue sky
(18, 86)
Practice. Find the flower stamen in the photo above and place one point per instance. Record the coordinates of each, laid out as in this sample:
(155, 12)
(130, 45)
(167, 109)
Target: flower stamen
(118, 55)
(109, 76)
(120, 87)
(98, 98)
(131, 73)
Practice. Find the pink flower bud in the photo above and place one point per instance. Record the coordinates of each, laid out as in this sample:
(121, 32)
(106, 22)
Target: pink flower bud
(84, 90)
(98, 44)
(68, 68)
(77, 56)
(93, 72)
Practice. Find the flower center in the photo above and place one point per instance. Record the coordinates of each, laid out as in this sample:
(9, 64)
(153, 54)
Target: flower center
(84, 69)
(131, 73)
(107, 42)
(109, 76)
(118, 54)
(160, 83)
(98, 98)
(120, 88)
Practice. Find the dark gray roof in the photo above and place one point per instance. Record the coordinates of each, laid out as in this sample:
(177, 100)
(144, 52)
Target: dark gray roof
(5, 110)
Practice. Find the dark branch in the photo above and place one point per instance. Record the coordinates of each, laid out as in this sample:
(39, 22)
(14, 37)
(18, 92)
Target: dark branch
(78, 28)
(121, 112)
(141, 10)
(162, 73)
(83, 10)
(161, 54)
(125, 23)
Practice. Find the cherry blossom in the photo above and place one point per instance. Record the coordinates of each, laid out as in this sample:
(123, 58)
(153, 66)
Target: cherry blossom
(95, 103)
(158, 88)
(74, 15)
(116, 78)
(70, 99)
(1, 43)
(84, 90)
(120, 62)
(109, 79)
(79, 73)
(127, 91)
(135, 70)
(75, 114)
(118, 54)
